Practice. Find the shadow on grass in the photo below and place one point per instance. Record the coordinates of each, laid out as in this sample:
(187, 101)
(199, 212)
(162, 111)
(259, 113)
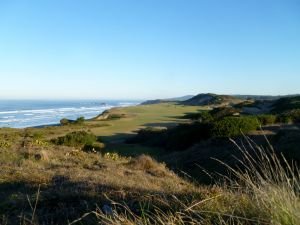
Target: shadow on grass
(163, 124)
(187, 115)
(63, 201)
(117, 137)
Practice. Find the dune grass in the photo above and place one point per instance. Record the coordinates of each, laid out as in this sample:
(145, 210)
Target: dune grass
(44, 183)
(265, 190)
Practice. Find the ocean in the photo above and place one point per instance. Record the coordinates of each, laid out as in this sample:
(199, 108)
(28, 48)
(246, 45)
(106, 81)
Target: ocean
(28, 113)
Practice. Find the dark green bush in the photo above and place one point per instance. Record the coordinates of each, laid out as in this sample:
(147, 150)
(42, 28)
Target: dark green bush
(267, 119)
(79, 139)
(80, 120)
(37, 135)
(284, 118)
(204, 116)
(115, 116)
(287, 103)
(287, 142)
(177, 138)
(234, 126)
(185, 135)
(290, 116)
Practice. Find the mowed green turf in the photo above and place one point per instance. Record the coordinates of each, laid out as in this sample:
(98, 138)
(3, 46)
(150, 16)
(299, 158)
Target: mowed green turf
(137, 117)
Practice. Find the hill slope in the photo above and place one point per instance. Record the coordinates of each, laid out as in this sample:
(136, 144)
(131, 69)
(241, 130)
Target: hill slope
(177, 99)
(287, 103)
(211, 99)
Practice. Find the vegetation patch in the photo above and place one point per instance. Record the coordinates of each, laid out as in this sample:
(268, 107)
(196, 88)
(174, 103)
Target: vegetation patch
(203, 116)
(115, 116)
(234, 126)
(5, 144)
(80, 139)
(147, 164)
(289, 116)
(67, 180)
(176, 138)
(221, 112)
(285, 104)
(267, 119)
(184, 136)
(78, 121)
(115, 156)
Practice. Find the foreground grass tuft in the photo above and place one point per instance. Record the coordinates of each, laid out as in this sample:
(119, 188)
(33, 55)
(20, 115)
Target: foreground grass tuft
(273, 183)
(147, 164)
(265, 190)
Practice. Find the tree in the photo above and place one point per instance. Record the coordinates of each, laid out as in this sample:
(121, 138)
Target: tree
(80, 120)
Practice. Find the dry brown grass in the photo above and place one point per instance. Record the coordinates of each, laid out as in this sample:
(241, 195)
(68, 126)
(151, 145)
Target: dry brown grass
(265, 191)
(74, 182)
(149, 165)
(75, 185)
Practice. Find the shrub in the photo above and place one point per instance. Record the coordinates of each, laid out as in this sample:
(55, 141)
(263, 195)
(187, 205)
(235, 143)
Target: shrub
(176, 138)
(287, 103)
(79, 139)
(234, 126)
(284, 118)
(115, 116)
(290, 116)
(5, 144)
(288, 142)
(80, 120)
(65, 121)
(204, 116)
(40, 143)
(37, 135)
(185, 135)
(267, 119)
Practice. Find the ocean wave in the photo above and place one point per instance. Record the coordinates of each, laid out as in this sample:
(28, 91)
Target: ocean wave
(127, 104)
(11, 120)
(54, 110)
(20, 118)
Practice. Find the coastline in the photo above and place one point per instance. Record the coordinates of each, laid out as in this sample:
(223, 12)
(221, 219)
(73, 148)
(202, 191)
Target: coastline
(26, 114)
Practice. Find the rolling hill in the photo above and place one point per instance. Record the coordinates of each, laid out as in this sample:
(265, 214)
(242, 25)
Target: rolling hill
(176, 99)
(211, 99)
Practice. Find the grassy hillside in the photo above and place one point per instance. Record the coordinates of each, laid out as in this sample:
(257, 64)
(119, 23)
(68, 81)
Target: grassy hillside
(86, 173)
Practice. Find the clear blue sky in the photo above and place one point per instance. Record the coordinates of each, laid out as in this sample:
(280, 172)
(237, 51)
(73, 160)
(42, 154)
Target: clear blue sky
(141, 49)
